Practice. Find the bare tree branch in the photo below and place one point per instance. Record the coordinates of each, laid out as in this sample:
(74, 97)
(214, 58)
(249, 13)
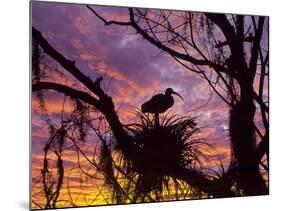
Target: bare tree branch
(161, 46)
(263, 148)
(65, 63)
(105, 103)
(108, 22)
(73, 93)
(221, 21)
(199, 181)
(256, 44)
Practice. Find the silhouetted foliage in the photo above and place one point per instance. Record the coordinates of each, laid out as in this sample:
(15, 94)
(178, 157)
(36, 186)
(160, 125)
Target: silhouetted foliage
(171, 138)
(150, 160)
(229, 52)
(166, 145)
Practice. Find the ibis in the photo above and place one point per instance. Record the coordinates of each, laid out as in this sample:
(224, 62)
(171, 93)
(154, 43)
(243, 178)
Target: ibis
(160, 103)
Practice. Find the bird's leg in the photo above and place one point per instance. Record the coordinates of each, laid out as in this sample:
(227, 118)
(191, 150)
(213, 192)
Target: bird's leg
(156, 119)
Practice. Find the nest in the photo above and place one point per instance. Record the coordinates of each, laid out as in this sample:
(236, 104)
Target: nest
(164, 145)
(159, 147)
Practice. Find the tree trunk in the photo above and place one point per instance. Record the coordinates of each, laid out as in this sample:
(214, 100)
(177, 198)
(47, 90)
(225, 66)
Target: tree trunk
(242, 133)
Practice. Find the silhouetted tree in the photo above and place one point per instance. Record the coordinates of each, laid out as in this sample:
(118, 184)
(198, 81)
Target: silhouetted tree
(230, 52)
(134, 149)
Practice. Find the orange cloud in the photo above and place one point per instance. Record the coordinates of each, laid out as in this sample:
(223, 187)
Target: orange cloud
(77, 43)
(54, 106)
(87, 57)
(79, 23)
(102, 68)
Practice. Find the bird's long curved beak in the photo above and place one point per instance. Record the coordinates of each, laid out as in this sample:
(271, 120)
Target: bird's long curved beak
(177, 95)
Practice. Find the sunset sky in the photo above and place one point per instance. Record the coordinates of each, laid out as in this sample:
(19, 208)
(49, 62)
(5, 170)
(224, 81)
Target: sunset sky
(133, 70)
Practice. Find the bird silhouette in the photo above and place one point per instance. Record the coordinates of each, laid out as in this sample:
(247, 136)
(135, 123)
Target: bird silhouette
(160, 103)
